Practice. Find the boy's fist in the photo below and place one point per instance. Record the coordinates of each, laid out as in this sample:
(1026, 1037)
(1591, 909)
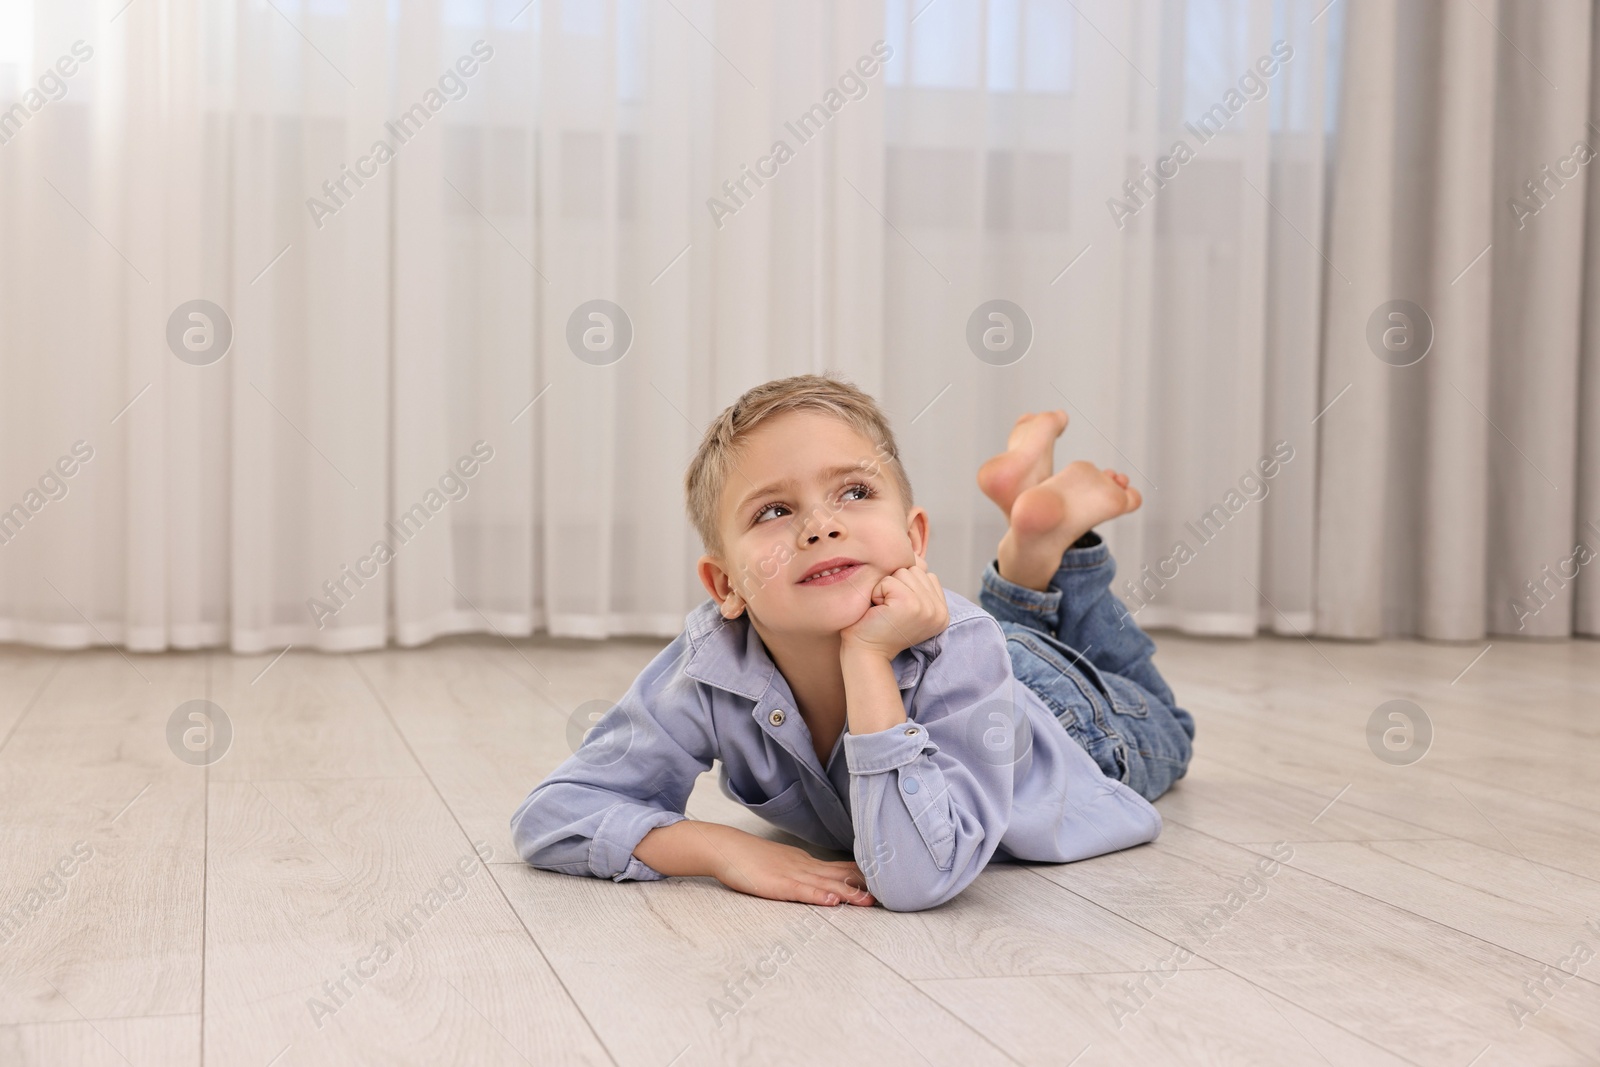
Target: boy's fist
(907, 607)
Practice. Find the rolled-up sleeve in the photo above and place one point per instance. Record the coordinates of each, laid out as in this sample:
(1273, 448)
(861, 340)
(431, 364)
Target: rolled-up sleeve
(632, 773)
(929, 798)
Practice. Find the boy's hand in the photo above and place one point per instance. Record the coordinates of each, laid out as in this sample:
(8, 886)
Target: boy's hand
(762, 868)
(907, 607)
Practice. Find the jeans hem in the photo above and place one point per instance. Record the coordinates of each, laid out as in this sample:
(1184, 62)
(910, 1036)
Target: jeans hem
(1042, 601)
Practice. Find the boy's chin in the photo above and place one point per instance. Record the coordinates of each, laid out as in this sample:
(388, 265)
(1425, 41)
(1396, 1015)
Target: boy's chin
(815, 623)
(837, 622)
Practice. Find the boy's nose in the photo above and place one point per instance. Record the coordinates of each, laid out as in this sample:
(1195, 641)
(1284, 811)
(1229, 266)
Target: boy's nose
(814, 538)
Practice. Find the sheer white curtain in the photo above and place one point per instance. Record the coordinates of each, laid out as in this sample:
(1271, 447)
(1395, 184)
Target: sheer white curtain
(425, 422)
(1174, 319)
(401, 318)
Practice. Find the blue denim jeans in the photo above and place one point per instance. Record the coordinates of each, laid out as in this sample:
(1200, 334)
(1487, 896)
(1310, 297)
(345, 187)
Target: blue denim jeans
(1078, 648)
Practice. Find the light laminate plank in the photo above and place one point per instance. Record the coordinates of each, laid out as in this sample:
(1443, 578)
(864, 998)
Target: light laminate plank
(1336, 953)
(1191, 1016)
(686, 968)
(102, 846)
(1526, 827)
(23, 673)
(1009, 922)
(310, 715)
(1540, 913)
(308, 878)
(150, 1041)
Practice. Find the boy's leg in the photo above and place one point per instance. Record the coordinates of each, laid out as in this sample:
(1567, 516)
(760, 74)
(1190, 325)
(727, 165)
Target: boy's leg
(1050, 587)
(1090, 617)
(1076, 647)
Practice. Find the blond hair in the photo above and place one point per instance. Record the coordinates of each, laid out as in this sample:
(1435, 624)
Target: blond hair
(719, 449)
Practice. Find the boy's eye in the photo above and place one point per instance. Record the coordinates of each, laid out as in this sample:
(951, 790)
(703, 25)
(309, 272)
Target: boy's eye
(859, 487)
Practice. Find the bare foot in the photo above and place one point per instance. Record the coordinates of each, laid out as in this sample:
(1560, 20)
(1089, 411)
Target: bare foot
(1048, 517)
(1026, 461)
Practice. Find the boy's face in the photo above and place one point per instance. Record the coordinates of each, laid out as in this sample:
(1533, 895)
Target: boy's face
(808, 489)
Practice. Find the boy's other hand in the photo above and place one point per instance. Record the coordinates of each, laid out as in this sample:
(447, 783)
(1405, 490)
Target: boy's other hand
(762, 868)
(908, 607)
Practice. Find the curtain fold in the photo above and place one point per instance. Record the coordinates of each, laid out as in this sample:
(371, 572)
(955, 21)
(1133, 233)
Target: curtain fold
(1352, 478)
(471, 277)
(1453, 494)
(1449, 502)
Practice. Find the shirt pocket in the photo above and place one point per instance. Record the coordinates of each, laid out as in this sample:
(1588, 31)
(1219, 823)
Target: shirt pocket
(781, 802)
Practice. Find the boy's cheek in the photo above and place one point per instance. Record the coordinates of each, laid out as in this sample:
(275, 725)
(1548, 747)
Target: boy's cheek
(765, 563)
(775, 560)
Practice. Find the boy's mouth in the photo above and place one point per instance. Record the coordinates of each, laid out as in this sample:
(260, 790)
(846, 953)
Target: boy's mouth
(831, 571)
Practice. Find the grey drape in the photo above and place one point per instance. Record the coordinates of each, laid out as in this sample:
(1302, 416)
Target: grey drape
(1457, 496)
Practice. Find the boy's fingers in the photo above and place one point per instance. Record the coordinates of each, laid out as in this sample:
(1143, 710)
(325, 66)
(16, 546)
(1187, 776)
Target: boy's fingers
(834, 892)
(818, 894)
(842, 876)
(922, 585)
(849, 893)
(916, 577)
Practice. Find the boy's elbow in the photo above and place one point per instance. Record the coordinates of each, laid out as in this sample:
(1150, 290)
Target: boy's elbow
(909, 890)
(523, 840)
(921, 874)
(898, 901)
(530, 835)
(913, 898)
(547, 853)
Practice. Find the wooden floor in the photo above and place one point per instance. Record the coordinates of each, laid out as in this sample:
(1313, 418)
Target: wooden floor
(1424, 916)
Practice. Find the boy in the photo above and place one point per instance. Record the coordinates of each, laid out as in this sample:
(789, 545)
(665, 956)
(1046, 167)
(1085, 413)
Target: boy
(852, 700)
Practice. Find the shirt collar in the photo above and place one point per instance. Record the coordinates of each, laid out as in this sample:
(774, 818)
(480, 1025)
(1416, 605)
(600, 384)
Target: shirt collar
(729, 654)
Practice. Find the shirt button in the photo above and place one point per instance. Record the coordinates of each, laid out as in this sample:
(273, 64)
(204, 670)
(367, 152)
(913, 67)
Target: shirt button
(776, 718)
(910, 785)
(910, 730)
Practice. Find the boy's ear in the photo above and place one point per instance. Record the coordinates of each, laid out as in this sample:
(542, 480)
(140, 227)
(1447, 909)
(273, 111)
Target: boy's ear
(917, 529)
(720, 586)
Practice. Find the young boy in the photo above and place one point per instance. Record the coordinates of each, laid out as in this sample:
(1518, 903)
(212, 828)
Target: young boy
(856, 703)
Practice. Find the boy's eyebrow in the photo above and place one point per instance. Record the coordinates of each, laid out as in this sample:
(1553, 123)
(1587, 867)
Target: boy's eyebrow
(858, 469)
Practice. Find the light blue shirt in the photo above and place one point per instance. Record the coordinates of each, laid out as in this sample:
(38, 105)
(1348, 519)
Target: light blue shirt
(981, 769)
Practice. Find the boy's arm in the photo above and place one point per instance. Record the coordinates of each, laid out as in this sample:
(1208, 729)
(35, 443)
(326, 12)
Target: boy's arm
(632, 774)
(931, 799)
(615, 809)
(689, 848)
(927, 815)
